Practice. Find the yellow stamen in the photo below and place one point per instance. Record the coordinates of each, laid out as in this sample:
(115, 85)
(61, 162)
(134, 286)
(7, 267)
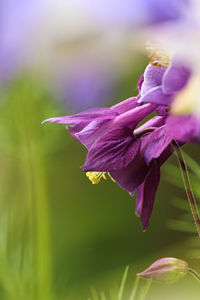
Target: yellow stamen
(95, 177)
(111, 178)
(157, 56)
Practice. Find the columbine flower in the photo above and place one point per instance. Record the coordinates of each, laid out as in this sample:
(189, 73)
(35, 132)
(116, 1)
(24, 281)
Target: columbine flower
(166, 270)
(132, 155)
(117, 148)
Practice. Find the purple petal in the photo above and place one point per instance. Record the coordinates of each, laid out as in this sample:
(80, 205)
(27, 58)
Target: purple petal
(125, 105)
(90, 133)
(152, 78)
(146, 193)
(100, 113)
(132, 176)
(132, 117)
(184, 129)
(115, 150)
(165, 155)
(75, 129)
(156, 96)
(175, 78)
(139, 199)
(157, 142)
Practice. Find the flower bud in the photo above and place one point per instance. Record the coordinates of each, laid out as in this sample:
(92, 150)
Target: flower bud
(166, 270)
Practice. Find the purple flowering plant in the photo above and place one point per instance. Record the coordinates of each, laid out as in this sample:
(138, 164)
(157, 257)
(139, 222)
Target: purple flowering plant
(132, 154)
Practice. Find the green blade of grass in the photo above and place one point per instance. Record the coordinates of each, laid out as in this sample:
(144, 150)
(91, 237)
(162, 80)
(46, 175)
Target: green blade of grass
(135, 287)
(121, 289)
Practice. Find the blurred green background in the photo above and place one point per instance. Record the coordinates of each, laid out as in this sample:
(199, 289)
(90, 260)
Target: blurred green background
(61, 236)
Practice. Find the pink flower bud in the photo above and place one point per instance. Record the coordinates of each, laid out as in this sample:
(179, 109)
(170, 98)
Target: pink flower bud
(166, 270)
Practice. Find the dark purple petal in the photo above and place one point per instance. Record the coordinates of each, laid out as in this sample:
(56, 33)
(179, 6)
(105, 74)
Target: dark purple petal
(125, 105)
(132, 176)
(184, 129)
(175, 78)
(152, 78)
(146, 193)
(139, 199)
(157, 142)
(92, 132)
(156, 96)
(132, 117)
(114, 150)
(100, 113)
(165, 155)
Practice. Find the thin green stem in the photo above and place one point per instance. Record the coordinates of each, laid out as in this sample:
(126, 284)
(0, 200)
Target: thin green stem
(188, 187)
(194, 273)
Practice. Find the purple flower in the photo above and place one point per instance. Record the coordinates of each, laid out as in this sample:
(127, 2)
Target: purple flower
(133, 155)
(114, 148)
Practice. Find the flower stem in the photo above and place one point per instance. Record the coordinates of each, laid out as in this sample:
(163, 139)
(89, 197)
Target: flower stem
(194, 273)
(188, 188)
